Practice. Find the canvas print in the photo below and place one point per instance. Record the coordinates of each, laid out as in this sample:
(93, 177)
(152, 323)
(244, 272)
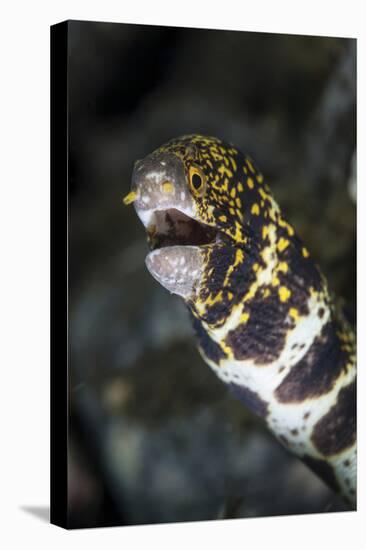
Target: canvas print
(204, 274)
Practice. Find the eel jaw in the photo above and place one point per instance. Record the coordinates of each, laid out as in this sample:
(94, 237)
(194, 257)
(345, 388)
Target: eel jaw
(177, 268)
(178, 250)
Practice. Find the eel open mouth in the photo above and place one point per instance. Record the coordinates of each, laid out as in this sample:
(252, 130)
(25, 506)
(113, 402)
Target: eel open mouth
(177, 256)
(171, 228)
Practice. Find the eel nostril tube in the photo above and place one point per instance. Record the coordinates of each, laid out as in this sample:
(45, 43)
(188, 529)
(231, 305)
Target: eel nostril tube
(130, 198)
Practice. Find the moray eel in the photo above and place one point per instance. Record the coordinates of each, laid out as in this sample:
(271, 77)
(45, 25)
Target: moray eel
(262, 312)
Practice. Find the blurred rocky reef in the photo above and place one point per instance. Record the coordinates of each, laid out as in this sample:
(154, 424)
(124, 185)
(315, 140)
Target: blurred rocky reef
(154, 436)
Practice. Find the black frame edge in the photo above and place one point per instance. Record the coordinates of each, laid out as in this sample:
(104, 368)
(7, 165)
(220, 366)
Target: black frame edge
(59, 274)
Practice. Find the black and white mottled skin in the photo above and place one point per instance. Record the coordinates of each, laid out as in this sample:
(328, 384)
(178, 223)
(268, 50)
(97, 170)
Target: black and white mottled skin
(261, 309)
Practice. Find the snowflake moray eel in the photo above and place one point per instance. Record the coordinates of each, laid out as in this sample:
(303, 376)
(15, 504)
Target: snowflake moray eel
(264, 317)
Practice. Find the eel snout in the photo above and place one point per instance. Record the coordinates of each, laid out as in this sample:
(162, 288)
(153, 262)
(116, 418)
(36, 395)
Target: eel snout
(159, 183)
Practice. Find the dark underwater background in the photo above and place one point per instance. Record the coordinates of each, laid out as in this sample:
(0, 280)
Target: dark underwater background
(154, 436)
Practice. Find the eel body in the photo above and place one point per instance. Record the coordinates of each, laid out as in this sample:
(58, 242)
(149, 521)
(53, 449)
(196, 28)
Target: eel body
(264, 318)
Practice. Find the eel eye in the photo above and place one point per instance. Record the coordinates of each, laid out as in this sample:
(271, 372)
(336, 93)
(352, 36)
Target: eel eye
(197, 180)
